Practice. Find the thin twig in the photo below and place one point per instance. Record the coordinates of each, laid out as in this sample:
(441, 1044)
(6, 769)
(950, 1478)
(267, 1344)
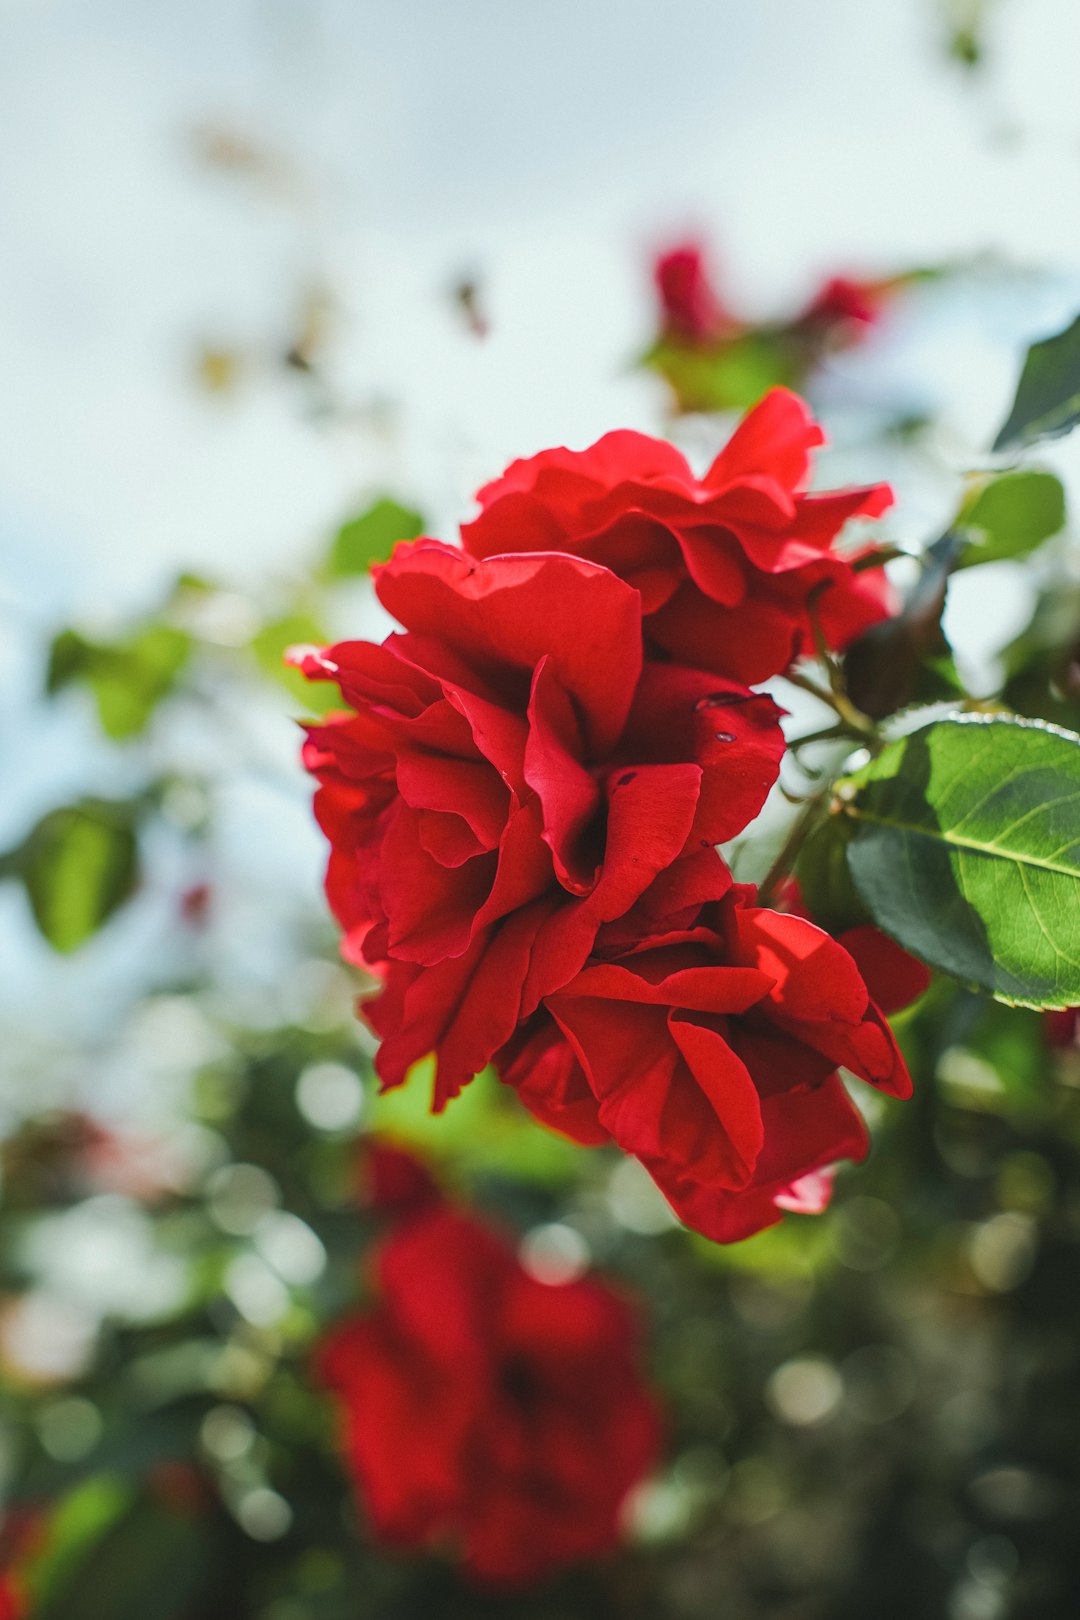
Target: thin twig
(800, 830)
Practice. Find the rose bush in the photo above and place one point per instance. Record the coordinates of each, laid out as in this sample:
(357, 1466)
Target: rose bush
(733, 568)
(487, 1413)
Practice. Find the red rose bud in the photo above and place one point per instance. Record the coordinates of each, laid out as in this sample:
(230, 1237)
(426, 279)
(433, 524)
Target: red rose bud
(690, 310)
(843, 302)
(725, 566)
(707, 1047)
(510, 778)
(484, 1410)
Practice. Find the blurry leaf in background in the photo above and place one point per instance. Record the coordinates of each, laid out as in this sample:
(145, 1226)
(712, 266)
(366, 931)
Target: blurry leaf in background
(1011, 1040)
(731, 376)
(77, 865)
(148, 1562)
(967, 851)
(74, 1525)
(485, 1128)
(907, 658)
(966, 22)
(269, 646)
(1043, 664)
(371, 536)
(128, 678)
(1047, 400)
(1011, 515)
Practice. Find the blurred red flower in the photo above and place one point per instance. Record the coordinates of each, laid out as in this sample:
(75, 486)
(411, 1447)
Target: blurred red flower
(482, 1411)
(11, 1604)
(732, 568)
(393, 1181)
(511, 777)
(844, 305)
(691, 310)
(1061, 1027)
(707, 1046)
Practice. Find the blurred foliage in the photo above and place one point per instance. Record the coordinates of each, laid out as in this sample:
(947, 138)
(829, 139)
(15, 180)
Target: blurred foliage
(1047, 400)
(77, 865)
(1009, 516)
(371, 536)
(128, 678)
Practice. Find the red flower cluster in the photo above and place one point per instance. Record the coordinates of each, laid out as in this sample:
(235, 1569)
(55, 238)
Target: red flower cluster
(728, 567)
(524, 796)
(707, 1046)
(485, 1411)
(714, 358)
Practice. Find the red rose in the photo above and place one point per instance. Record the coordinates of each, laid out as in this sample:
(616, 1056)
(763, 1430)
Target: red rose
(726, 565)
(892, 975)
(690, 309)
(486, 1411)
(842, 302)
(11, 1604)
(511, 778)
(708, 1048)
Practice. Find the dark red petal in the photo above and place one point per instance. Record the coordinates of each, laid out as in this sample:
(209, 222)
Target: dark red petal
(892, 975)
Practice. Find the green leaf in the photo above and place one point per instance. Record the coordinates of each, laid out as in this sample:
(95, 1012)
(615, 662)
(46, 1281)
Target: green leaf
(730, 376)
(75, 1524)
(1011, 515)
(370, 537)
(967, 851)
(269, 646)
(78, 865)
(1047, 400)
(128, 678)
(485, 1128)
(149, 1562)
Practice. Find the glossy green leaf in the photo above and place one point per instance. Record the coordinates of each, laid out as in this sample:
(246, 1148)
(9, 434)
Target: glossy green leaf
(1047, 400)
(967, 851)
(78, 865)
(371, 536)
(1011, 515)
